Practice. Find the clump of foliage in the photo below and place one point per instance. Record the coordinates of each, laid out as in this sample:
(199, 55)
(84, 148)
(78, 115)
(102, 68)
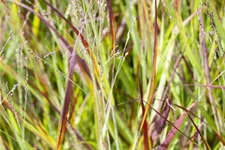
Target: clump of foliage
(103, 74)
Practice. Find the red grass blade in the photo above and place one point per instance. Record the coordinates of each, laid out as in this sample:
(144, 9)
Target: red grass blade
(67, 100)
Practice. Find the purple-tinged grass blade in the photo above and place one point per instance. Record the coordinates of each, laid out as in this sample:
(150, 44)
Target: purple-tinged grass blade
(187, 143)
(220, 138)
(175, 127)
(199, 132)
(172, 132)
(202, 37)
(67, 100)
(160, 123)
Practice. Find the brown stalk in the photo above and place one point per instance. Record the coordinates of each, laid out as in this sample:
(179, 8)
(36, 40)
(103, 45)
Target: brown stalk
(145, 126)
(153, 79)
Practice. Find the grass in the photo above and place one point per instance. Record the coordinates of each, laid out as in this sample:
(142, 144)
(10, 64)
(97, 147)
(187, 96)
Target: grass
(112, 74)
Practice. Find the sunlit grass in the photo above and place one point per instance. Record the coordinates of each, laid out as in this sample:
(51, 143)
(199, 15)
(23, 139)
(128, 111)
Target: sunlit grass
(104, 74)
